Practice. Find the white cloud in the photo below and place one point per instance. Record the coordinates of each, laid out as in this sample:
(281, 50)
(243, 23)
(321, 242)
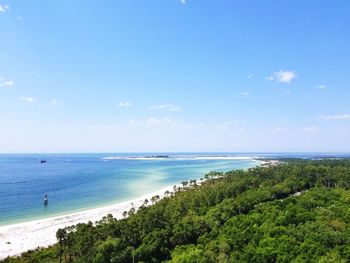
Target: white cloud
(250, 76)
(164, 123)
(158, 122)
(335, 117)
(4, 8)
(6, 82)
(124, 104)
(27, 99)
(243, 94)
(282, 122)
(183, 2)
(55, 102)
(165, 107)
(311, 129)
(321, 86)
(284, 76)
(279, 129)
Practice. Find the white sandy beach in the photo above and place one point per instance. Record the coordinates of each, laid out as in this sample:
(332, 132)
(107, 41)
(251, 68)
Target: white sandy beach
(18, 238)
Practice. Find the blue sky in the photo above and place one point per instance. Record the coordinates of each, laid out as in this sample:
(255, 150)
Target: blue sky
(172, 75)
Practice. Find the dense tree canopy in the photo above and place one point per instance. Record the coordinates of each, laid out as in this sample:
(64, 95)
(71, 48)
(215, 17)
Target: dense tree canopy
(298, 211)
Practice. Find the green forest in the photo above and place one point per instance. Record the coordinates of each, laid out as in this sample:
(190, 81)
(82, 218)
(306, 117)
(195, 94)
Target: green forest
(297, 211)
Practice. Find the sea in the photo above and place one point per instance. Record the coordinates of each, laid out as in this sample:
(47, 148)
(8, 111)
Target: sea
(77, 182)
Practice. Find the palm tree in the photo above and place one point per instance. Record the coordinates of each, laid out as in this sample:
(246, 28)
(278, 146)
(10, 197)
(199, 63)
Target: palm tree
(132, 211)
(184, 183)
(125, 213)
(155, 198)
(61, 236)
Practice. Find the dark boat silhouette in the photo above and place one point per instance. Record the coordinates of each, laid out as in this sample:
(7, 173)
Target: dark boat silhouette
(46, 200)
(43, 161)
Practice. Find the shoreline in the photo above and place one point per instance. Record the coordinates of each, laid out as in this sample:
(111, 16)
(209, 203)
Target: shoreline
(59, 213)
(42, 232)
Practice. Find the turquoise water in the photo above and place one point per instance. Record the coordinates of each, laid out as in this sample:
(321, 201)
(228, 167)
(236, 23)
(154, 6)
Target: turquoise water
(75, 182)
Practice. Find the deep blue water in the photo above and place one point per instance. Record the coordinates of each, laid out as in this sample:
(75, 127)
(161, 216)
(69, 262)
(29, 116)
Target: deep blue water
(76, 182)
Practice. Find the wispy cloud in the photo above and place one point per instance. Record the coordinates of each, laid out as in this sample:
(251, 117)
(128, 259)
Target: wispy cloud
(278, 129)
(4, 8)
(243, 94)
(124, 104)
(27, 99)
(321, 86)
(311, 129)
(158, 122)
(283, 76)
(172, 124)
(183, 2)
(165, 107)
(335, 117)
(250, 76)
(55, 102)
(6, 82)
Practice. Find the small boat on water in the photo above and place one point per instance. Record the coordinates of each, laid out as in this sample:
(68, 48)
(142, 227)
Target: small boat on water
(43, 161)
(46, 200)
